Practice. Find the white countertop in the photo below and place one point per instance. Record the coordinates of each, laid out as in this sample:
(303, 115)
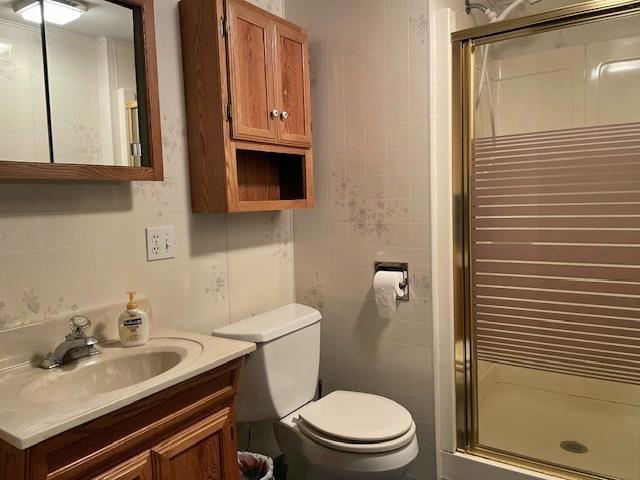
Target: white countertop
(36, 404)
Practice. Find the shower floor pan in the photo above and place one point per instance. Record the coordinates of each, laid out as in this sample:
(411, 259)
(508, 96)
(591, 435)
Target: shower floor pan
(531, 413)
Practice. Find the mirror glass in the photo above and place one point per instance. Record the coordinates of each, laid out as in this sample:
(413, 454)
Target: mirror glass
(23, 108)
(92, 83)
(75, 99)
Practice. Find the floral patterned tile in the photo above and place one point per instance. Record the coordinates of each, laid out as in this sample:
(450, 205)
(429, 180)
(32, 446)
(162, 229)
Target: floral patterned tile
(22, 307)
(216, 288)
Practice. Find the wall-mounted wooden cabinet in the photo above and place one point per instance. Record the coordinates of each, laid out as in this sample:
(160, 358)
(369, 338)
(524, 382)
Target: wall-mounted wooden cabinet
(247, 89)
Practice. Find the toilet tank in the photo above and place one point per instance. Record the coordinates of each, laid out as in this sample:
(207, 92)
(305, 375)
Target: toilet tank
(282, 374)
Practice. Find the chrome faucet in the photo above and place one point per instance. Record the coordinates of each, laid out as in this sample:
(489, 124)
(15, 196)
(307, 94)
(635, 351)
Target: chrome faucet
(76, 344)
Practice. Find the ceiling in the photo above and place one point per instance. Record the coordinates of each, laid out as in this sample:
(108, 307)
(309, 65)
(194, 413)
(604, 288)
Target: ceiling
(103, 19)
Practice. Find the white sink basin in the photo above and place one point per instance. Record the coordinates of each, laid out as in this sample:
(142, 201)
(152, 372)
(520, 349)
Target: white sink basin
(36, 404)
(103, 373)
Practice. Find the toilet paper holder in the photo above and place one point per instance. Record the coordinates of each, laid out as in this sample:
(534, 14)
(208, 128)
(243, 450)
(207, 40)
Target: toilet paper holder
(395, 267)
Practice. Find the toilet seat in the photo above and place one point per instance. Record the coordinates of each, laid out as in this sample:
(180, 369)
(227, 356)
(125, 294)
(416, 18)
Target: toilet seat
(357, 422)
(358, 447)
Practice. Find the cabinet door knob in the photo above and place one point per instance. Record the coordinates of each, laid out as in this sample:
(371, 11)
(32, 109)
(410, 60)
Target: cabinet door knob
(284, 115)
(275, 113)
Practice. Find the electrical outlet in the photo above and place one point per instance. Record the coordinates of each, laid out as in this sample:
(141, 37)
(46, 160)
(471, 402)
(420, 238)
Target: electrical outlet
(161, 243)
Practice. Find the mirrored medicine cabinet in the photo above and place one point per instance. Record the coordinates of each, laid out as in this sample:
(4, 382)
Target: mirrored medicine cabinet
(79, 90)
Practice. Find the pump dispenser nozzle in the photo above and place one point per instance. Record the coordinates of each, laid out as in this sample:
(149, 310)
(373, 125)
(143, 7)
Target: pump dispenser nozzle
(131, 305)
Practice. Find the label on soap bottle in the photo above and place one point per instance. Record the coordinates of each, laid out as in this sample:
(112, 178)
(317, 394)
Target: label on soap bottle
(132, 325)
(133, 322)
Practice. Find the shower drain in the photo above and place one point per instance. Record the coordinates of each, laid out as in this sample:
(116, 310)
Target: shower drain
(573, 446)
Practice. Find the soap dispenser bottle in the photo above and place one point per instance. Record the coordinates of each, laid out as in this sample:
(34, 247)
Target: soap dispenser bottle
(133, 325)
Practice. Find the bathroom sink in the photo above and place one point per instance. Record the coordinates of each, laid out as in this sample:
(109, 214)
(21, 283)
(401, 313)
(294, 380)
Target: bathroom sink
(101, 374)
(36, 404)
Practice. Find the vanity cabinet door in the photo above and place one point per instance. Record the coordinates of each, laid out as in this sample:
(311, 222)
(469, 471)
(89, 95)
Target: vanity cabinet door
(250, 51)
(203, 451)
(293, 85)
(138, 468)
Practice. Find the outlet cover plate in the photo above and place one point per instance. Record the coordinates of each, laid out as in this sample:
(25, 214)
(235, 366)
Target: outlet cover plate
(161, 243)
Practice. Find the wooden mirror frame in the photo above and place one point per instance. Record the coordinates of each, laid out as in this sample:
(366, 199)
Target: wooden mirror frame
(14, 170)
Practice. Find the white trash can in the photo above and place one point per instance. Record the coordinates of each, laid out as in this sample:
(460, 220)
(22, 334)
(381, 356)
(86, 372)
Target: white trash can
(254, 466)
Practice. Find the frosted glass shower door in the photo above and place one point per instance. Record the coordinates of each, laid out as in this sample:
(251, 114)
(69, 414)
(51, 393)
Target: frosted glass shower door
(554, 213)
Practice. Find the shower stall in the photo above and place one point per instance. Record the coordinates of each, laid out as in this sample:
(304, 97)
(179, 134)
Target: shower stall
(547, 262)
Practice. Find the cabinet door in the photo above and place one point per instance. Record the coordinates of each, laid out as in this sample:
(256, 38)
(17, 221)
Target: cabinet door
(138, 468)
(250, 51)
(292, 85)
(203, 451)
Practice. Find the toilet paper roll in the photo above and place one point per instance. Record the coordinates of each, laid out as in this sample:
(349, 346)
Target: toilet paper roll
(386, 288)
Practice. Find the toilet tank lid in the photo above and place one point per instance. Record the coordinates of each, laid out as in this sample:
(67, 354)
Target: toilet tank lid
(270, 325)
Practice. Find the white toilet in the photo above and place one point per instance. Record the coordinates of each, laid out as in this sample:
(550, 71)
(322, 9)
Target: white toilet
(344, 435)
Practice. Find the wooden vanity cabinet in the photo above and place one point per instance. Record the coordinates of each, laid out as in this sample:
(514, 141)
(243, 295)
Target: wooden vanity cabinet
(184, 432)
(136, 468)
(182, 455)
(248, 95)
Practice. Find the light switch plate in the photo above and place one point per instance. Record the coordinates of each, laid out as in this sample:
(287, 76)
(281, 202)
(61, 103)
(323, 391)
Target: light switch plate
(161, 243)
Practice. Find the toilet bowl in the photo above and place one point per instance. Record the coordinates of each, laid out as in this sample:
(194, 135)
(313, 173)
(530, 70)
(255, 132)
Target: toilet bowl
(349, 436)
(342, 436)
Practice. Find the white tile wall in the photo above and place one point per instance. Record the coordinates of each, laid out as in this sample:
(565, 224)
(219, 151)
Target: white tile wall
(65, 247)
(369, 93)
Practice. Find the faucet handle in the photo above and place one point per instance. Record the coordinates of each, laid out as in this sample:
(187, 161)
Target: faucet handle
(78, 324)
